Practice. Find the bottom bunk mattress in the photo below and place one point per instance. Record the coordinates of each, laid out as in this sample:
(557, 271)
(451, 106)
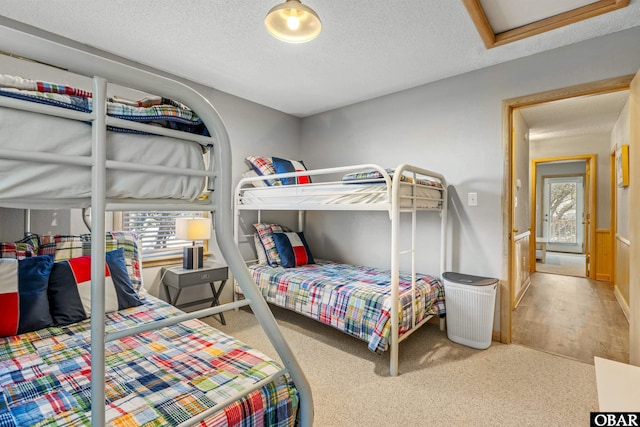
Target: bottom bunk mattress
(354, 299)
(157, 378)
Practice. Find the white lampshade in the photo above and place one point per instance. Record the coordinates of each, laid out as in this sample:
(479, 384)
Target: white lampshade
(193, 228)
(293, 22)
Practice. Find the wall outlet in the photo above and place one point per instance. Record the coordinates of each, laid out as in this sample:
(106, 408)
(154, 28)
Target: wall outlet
(472, 199)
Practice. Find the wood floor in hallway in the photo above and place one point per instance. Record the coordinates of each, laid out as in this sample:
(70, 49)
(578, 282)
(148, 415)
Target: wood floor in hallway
(571, 316)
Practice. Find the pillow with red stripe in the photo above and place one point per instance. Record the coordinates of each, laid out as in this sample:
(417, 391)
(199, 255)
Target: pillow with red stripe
(293, 249)
(70, 288)
(265, 232)
(286, 166)
(23, 294)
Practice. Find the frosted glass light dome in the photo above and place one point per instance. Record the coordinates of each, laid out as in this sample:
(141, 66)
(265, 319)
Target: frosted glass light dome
(293, 22)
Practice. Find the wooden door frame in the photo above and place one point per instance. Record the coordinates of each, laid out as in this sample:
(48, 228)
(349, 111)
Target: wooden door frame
(508, 106)
(591, 209)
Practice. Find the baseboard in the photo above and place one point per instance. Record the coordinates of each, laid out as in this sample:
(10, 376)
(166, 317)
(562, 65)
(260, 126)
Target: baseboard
(623, 304)
(495, 336)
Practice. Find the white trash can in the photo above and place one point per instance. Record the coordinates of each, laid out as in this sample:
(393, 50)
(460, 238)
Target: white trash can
(470, 303)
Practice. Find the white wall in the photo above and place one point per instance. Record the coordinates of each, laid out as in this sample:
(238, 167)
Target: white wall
(453, 126)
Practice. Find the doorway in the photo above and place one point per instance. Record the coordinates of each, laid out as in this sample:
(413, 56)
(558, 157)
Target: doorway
(564, 214)
(563, 218)
(511, 184)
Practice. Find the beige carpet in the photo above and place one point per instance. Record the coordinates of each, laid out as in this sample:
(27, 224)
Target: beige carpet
(441, 383)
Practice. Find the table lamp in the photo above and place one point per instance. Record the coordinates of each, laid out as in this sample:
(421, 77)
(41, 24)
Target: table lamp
(193, 229)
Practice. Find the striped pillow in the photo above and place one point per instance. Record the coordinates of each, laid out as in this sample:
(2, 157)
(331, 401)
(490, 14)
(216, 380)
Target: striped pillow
(287, 166)
(70, 288)
(23, 295)
(265, 232)
(293, 249)
(72, 246)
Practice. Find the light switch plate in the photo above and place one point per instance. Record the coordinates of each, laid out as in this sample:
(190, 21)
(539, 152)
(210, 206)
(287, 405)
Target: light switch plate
(472, 199)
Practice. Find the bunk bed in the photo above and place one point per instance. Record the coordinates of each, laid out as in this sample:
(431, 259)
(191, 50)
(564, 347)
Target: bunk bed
(380, 306)
(146, 363)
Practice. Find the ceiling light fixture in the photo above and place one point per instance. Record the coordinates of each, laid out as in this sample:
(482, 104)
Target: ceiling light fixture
(293, 22)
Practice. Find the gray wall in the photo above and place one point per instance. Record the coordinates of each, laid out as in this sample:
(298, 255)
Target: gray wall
(453, 126)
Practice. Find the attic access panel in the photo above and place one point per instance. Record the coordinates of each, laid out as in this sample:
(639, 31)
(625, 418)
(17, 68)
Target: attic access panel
(504, 21)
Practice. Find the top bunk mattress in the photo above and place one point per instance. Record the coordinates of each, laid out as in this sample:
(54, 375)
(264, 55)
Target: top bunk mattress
(335, 194)
(32, 132)
(281, 184)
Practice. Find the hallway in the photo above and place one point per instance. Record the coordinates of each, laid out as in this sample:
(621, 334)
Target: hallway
(571, 316)
(563, 263)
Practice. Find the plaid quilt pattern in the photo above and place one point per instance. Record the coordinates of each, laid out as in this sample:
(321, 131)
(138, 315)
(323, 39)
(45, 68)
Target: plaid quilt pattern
(375, 175)
(21, 249)
(354, 299)
(154, 110)
(158, 378)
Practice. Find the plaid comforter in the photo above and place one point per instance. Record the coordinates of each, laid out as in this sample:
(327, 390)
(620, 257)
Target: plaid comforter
(353, 299)
(158, 378)
(153, 110)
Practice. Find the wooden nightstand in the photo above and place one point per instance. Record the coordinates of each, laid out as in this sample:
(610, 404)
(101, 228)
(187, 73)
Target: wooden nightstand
(179, 278)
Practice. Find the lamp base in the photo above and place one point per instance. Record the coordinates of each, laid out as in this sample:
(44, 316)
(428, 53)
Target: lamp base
(192, 257)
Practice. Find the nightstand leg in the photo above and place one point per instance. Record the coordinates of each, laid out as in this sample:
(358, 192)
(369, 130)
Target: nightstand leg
(216, 297)
(167, 293)
(175, 301)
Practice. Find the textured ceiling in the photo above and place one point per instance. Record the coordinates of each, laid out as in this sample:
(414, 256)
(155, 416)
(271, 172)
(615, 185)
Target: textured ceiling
(366, 49)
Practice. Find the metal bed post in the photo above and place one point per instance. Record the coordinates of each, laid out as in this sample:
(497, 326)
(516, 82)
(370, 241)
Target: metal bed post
(98, 190)
(395, 275)
(27, 220)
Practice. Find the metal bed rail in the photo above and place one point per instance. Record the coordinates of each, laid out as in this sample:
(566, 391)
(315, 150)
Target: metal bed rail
(391, 203)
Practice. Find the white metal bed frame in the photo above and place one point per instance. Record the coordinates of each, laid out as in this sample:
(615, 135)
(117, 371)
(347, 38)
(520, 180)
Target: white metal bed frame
(391, 203)
(30, 42)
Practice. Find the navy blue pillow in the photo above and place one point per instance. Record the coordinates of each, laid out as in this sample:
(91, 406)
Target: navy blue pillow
(23, 295)
(293, 249)
(70, 288)
(127, 297)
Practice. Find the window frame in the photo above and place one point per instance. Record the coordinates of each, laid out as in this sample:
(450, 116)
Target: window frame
(159, 258)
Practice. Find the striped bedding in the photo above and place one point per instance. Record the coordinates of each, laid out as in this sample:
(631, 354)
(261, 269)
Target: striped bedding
(152, 109)
(353, 299)
(158, 378)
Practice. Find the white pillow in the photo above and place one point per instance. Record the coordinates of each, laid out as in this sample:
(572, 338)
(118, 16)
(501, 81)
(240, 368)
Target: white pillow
(252, 173)
(262, 256)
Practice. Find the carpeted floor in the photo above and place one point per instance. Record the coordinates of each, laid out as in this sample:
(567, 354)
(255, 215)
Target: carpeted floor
(441, 383)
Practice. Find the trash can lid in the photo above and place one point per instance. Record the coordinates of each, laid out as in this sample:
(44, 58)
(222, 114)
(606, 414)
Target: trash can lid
(467, 279)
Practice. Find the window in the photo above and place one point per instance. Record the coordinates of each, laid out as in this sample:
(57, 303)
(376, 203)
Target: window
(156, 231)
